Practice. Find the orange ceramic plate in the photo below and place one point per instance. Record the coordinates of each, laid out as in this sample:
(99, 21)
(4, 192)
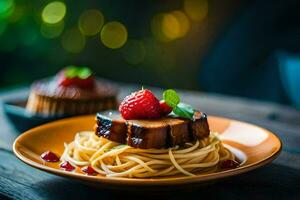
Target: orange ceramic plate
(253, 145)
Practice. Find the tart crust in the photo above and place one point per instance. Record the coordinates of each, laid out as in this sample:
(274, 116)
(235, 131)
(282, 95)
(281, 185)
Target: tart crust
(49, 99)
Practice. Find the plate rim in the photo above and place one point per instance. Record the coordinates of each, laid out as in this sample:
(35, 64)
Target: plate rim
(200, 178)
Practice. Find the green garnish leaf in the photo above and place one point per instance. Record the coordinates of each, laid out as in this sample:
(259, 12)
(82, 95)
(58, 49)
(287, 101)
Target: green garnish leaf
(71, 72)
(84, 73)
(171, 98)
(184, 110)
(80, 72)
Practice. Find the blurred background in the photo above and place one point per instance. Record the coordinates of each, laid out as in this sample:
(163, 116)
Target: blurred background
(236, 47)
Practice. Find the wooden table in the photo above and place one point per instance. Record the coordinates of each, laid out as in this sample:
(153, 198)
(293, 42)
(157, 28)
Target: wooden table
(279, 180)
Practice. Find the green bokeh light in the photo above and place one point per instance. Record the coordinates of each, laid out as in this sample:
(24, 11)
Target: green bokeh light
(73, 41)
(6, 8)
(54, 12)
(52, 30)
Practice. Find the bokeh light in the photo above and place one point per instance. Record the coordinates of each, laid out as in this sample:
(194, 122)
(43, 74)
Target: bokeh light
(134, 52)
(73, 41)
(170, 26)
(90, 22)
(54, 12)
(184, 23)
(114, 35)
(196, 9)
(52, 30)
(6, 8)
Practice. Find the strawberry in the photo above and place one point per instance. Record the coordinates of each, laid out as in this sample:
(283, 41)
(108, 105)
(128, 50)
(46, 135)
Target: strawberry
(140, 105)
(82, 83)
(164, 108)
(65, 81)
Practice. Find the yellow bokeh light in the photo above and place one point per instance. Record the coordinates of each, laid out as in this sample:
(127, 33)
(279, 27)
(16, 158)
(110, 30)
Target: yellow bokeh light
(52, 30)
(196, 9)
(134, 52)
(73, 41)
(91, 22)
(113, 35)
(184, 23)
(54, 12)
(170, 26)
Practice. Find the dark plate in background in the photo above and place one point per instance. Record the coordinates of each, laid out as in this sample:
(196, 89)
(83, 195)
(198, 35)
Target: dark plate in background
(23, 120)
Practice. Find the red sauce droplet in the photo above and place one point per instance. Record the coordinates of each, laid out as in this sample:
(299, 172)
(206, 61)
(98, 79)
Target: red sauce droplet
(67, 166)
(49, 156)
(89, 170)
(229, 164)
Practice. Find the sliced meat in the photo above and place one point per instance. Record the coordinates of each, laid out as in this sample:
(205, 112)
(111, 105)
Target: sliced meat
(179, 132)
(146, 134)
(111, 126)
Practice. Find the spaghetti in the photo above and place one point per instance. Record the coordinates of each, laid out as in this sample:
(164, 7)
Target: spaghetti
(117, 160)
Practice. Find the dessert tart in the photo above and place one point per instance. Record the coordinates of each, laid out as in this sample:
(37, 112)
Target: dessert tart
(73, 91)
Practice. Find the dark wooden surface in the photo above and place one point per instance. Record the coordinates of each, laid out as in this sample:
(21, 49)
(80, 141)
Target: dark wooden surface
(279, 180)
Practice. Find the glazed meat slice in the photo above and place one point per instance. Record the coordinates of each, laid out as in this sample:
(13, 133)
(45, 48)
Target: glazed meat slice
(146, 134)
(178, 133)
(111, 126)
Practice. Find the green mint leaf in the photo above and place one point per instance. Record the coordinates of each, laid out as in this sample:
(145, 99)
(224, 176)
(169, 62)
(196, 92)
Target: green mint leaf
(84, 73)
(80, 72)
(71, 72)
(171, 98)
(184, 110)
